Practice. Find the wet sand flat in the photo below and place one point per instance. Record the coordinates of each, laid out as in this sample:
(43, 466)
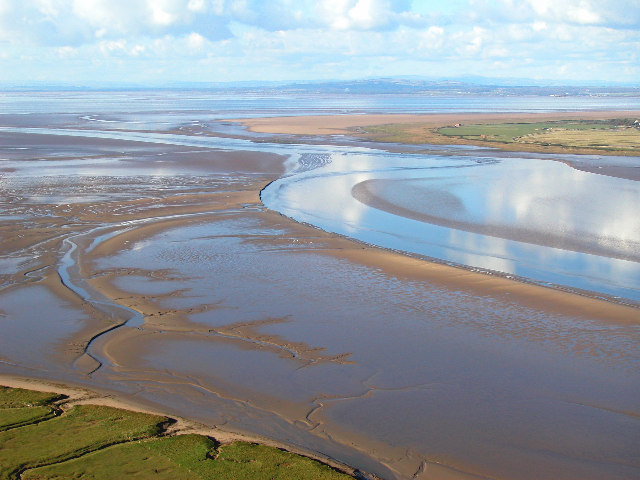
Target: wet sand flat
(154, 275)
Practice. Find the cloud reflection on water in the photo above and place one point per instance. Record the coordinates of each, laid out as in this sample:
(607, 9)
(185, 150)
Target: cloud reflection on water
(532, 218)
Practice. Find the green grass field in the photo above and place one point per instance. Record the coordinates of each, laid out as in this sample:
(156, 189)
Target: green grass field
(82, 429)
(17, 397)
(21, 407)
(188, 457)
(95, 442)
(619, 134)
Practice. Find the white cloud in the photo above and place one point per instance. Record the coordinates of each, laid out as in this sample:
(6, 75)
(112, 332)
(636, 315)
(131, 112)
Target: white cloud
(539, 26)
(165, 13)
(432, 38)
(360, 14)
(607, 13)
(197, 6)
(76, 22)
(571, 11)
(105, 18)
(67, 52)
(137, 50)
(195, 41)
(323, 38)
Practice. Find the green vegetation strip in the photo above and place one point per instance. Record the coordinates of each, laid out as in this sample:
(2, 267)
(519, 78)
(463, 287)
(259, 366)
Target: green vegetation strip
(187, 457)
(23, 407)
(95, 442)
(82, 429)
(618, 134)
(18, 397)
(17, 417)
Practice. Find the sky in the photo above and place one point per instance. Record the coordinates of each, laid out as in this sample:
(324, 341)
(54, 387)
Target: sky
(155, 42)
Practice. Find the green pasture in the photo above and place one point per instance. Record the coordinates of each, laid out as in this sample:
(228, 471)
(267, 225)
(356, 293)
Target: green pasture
(620, 134)
(41, 441)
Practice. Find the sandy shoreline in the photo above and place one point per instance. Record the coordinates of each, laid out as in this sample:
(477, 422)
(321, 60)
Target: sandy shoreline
(248, 325)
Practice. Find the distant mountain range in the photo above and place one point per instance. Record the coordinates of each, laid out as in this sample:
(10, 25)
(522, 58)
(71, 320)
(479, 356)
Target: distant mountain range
(370, 86)
(453, 87)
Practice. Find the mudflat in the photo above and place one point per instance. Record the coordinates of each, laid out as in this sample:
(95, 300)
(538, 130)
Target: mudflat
(148, 270)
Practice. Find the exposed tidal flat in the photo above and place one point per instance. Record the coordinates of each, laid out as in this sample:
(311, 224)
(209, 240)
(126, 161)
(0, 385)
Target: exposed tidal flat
(139, 261)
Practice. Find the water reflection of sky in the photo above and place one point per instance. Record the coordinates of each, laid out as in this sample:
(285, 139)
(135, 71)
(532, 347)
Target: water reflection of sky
(552, 223)
(528, 217)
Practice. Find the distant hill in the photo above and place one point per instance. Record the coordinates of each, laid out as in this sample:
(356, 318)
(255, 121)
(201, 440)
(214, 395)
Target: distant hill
(372, 86)
(453, 87)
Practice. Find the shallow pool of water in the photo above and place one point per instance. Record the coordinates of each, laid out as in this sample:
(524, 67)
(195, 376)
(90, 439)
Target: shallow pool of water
(532, 218)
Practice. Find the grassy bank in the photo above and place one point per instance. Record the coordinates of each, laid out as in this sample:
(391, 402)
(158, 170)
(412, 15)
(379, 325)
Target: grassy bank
(615, 136)
(40, 440)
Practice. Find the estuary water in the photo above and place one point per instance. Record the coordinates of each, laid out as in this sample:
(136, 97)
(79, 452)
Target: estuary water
(166, 104)
(531, 218)
(516, 215)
